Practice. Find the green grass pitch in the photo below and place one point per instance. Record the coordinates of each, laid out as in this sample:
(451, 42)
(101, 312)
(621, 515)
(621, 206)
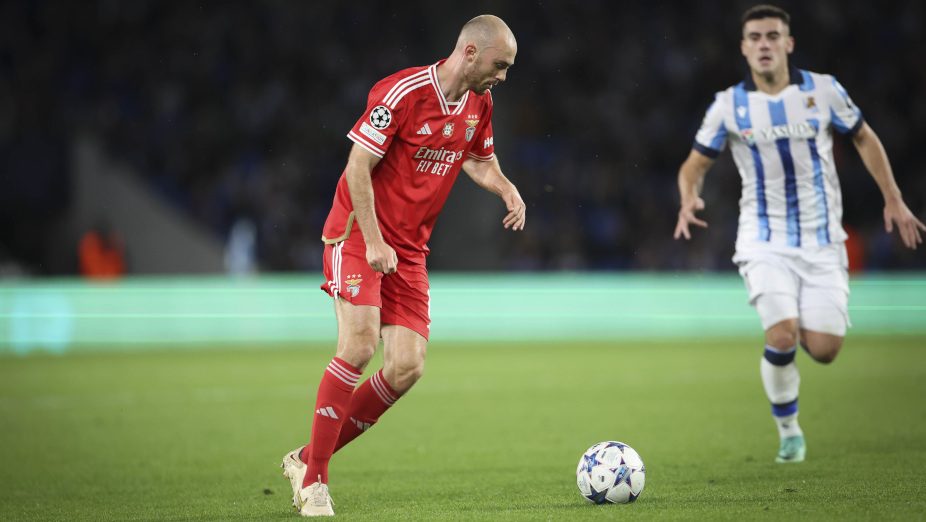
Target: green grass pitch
(492, 432)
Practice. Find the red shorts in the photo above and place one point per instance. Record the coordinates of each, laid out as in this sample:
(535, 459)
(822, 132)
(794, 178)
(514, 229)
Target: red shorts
(403, 297)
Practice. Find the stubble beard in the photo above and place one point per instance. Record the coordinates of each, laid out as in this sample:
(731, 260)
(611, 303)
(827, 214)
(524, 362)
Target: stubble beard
(474, 79)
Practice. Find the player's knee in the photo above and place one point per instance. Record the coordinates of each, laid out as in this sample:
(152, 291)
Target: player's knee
(779, 319)
(358, 347)
(404, 377)
(404, 370)
(781, 338)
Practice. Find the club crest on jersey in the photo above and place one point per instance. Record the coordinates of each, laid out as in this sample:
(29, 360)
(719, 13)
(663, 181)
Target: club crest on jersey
(811, 104)
(380, 117)
(353, 285)
(749, 137)
(448, 130)
(471, 128)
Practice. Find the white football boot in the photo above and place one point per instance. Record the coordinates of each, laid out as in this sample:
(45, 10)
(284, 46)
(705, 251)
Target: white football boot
(314, 500)
(294, 469)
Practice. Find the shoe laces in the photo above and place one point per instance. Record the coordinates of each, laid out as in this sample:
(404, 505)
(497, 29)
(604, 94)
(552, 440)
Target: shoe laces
(320, 496)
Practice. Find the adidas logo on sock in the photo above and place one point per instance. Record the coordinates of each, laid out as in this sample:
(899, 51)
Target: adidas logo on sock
(425, 129)
(363, 426)
(326, 412)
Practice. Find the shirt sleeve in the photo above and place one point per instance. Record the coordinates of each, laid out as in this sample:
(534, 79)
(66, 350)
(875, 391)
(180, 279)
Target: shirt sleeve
(846, 118)
(712, 135)
(484, 147)
(380, 122)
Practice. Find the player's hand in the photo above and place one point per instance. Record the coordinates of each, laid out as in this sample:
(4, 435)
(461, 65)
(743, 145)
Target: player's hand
(516, 210)
(687, 217)
(908, 226)
(381, 257)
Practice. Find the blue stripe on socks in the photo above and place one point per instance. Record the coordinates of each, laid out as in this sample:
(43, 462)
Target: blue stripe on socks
(779, 358)
(783, 410)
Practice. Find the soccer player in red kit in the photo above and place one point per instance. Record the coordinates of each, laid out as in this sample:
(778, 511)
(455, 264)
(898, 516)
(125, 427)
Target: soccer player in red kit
(421, 126)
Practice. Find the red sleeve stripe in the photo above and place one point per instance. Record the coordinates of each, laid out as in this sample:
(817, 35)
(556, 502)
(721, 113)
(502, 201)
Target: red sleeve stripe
(363, 142)
(481, 158)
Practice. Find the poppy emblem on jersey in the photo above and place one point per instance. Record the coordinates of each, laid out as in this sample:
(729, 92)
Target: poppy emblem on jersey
(353, 285)
(471, 128)
(749, 137)
(380, 117)
(448, 130)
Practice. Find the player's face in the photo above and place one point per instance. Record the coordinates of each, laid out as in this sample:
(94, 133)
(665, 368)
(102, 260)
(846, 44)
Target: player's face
(766, 45)
(490, 67)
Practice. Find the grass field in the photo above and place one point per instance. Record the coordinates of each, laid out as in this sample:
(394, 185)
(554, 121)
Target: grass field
(492, 432)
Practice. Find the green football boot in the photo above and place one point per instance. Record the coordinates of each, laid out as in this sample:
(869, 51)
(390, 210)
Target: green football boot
(792, 449)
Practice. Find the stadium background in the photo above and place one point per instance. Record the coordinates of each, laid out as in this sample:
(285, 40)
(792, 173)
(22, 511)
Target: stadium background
(217, 112)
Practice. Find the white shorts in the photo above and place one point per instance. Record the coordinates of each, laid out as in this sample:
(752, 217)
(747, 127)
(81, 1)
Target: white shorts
(811, 285)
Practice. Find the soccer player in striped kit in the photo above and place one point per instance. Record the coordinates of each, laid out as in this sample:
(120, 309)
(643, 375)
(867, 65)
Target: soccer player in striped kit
(790, 250)
(420, 127)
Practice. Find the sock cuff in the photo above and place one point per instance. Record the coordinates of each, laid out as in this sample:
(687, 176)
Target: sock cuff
(779, 358)
(346, 376)
(784, 409)
(382, 389)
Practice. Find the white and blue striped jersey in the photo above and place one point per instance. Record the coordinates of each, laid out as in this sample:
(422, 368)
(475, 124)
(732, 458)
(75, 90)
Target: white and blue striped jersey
(783, 148)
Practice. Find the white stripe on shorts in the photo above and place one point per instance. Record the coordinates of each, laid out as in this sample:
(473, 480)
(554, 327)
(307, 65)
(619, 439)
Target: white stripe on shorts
(335, 286)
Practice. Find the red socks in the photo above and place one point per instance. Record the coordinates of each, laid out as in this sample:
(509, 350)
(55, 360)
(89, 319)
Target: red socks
(356, 414)
(368, 402)
(334, 396)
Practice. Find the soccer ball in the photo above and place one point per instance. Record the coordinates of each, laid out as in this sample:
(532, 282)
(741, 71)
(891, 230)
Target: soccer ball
(611, 472)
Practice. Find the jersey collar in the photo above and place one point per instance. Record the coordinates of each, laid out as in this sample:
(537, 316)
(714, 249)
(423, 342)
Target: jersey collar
(796, 78)
(446, 108)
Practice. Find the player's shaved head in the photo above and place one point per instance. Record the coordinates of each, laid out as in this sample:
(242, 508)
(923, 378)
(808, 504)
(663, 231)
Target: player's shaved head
(485, 31)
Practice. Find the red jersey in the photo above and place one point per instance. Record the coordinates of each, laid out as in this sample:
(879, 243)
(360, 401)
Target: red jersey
(423, 141)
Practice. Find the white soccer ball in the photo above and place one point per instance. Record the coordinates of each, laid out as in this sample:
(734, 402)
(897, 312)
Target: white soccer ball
(611, 472)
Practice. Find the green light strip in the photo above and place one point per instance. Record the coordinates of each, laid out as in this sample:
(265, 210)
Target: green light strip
(59, 315)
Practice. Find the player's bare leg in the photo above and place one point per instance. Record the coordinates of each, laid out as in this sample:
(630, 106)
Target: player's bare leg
(823, 347)
(403, 364)
(782, 382)
(358, 332)
(358, 339)
(782, 336)
(404, 351)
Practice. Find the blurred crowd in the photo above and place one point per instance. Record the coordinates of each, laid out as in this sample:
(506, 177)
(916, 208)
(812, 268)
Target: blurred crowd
(240, 110)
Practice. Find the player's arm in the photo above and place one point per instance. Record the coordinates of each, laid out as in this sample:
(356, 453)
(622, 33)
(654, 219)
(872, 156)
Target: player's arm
(690, 181)
(488, 175)
(359, 171)
(895, 210)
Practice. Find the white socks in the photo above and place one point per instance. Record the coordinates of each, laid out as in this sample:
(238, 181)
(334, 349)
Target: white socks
(782, 380)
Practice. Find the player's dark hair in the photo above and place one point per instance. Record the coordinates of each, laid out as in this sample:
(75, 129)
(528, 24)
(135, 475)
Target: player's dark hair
(766, 11)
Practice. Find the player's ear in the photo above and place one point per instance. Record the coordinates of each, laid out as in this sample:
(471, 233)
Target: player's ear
(790, 44)
(470, 52)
